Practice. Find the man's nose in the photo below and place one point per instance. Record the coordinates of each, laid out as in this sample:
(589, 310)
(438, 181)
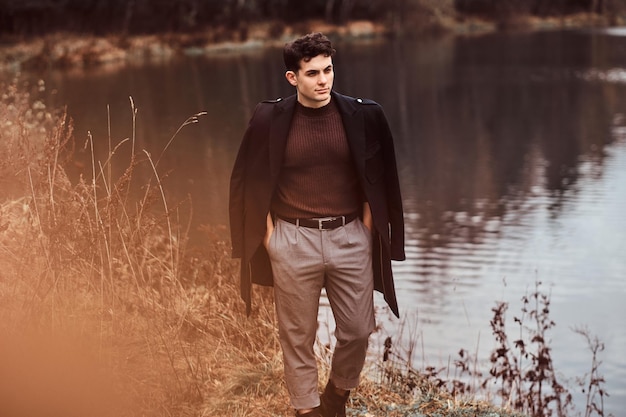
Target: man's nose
(322, 79)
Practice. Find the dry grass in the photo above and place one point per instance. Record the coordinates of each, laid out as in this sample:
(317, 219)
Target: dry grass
(104, 274)
(104, 311)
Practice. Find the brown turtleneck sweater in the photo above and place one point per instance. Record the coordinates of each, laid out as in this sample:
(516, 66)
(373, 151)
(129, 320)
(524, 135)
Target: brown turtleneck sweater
(318, 178)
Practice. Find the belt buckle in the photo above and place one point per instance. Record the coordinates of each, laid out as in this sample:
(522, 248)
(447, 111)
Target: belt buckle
(322, 220)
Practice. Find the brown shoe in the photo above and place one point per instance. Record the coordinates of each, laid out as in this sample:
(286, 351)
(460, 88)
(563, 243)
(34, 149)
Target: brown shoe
(333, 404)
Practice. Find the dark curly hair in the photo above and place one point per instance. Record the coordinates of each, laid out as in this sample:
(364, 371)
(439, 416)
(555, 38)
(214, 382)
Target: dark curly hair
(305, 48)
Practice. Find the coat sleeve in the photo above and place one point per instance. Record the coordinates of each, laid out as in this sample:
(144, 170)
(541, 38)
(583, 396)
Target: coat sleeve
(394, 196)
(236, 206)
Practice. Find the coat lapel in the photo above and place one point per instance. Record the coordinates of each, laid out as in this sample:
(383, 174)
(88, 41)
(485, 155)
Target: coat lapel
(279, 130)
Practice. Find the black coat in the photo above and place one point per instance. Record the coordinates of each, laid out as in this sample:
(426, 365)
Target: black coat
(257, 168)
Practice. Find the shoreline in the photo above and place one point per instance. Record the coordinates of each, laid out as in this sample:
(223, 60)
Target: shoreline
(73, 51)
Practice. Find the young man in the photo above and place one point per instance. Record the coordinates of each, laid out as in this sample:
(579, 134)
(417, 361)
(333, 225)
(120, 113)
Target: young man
(315, 202)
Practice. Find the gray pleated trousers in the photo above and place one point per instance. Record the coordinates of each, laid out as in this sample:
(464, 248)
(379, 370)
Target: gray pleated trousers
(303, 261)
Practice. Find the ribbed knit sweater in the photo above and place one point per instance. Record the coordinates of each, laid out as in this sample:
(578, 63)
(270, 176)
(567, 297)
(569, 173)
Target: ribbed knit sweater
(318, 178)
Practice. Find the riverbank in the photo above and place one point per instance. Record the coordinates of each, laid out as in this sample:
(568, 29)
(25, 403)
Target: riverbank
(71, 51)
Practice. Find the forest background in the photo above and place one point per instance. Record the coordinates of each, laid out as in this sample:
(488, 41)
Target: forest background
(101, 17)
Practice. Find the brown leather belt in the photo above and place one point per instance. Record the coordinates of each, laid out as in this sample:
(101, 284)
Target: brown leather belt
(322, 223)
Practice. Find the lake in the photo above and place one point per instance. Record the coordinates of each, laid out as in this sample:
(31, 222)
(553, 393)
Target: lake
(512, 160)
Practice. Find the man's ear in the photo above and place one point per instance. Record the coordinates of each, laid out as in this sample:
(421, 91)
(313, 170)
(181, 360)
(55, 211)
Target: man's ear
(291, 77)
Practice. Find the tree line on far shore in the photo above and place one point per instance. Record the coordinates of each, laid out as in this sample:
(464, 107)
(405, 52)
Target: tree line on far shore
(100, 17)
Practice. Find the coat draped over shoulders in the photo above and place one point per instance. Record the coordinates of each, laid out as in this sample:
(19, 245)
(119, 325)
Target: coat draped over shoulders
(255, 176)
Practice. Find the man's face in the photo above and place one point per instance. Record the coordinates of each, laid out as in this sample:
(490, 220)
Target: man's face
(313, 81)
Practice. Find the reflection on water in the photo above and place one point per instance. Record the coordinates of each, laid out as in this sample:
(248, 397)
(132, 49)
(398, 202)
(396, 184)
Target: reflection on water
(514, 161)
(512, 158)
